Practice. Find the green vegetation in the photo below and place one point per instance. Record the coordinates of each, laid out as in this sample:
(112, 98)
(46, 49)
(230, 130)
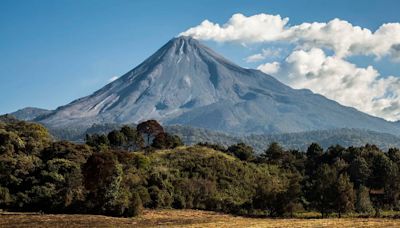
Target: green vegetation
(121, 172)
(300, 141)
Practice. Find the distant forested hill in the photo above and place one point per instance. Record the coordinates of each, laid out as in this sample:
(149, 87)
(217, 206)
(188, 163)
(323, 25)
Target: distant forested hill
(190, 136)
(345, 137)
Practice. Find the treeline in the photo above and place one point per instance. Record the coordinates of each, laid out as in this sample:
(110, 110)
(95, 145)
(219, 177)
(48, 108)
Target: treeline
(355, 179)
(301, 140)
(126, 170)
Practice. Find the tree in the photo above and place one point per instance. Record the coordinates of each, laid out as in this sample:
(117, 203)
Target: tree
(116, 138)
(274, 154)
(363, 202)
(394, 155)
(97, 140)
(268, 196)
(134, 140)
(314, 154)
(109, 192)
(150, 128)
(242, 151)
(382, 171)
(322, 193)
(166, 141)
(314, 151)
(291, 198)
(334, 153)
(344, 200)
(359, 171)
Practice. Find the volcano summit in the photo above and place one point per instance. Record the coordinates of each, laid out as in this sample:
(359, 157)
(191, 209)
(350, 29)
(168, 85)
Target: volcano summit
(187, 83)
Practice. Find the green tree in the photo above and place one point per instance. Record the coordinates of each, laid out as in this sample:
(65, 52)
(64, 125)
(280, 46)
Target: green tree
(274, 154)
(166, 141)
(314, 154)
(344, 200)
(268, 196)
(97, 140)
(363, 203)
(359, 171)
(242, 151)
(134, 140)
(103, 178)
(394, 155)
(116, 138)
(322, 193)
(292, 196)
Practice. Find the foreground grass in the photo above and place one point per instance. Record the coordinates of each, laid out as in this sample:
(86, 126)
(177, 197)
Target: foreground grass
(182, 218)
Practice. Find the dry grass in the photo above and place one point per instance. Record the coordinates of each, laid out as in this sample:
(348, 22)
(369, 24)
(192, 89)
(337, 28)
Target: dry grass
(182, 218)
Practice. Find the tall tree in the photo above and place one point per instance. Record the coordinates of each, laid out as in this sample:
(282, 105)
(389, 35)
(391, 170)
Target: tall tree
(134, 139)
(322, 194)
(116, 138)
(274, 154)
(150, 128)
(359, 171)
(363, 202)
(344, 200)
(314, 154)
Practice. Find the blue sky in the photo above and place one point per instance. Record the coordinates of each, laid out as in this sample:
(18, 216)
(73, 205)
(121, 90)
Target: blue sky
(52, 52)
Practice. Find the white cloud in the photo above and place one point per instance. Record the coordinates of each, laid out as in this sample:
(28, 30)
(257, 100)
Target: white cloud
(340, 80)
(255, 58)
(266, 53)
(308, 66)
(269, 68)
(113, 78)
(239, 28)
(338, 35)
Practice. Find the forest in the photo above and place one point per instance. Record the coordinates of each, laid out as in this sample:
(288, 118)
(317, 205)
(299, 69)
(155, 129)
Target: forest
(121, 172)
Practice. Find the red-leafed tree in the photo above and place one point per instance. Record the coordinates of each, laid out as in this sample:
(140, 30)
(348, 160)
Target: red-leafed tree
(150, 128)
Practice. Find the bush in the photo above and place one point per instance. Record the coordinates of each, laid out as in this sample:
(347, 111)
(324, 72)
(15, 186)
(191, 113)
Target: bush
(242, 151)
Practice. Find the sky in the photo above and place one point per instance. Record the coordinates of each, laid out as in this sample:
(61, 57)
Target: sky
(53, 52)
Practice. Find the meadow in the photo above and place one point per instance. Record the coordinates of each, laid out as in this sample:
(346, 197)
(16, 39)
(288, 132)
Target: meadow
(183, 218)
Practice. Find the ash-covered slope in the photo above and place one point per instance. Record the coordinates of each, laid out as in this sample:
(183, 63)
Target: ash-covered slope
(30, 113)
(187, 83)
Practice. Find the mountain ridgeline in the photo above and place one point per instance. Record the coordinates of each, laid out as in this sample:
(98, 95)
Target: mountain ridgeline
(30, 113)
(186, 83)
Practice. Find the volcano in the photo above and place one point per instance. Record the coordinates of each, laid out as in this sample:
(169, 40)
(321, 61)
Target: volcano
(187, 83)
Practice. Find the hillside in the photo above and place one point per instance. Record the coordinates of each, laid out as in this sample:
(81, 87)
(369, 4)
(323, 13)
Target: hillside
(124, 171)
(30, 113)
(300, 141)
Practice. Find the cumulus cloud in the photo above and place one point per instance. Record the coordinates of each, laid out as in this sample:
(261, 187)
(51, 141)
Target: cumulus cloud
(269, 68)
(340, 80)
(308, 66)
(239, 28)
(338, 35)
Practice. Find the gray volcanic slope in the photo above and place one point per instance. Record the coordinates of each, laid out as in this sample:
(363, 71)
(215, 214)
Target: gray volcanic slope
(30, 113)
(187, 83)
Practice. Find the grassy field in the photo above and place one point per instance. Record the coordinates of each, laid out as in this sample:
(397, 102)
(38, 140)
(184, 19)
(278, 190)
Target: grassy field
(182, 218)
